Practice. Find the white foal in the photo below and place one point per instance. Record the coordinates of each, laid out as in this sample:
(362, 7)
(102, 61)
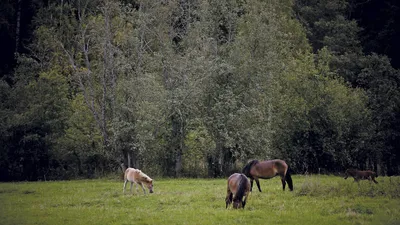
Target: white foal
(138, 177)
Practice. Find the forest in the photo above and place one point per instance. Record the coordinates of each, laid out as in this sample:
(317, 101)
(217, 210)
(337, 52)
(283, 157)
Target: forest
(196, 88)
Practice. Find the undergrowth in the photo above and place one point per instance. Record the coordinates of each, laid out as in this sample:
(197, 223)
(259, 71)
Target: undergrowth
(333, 186)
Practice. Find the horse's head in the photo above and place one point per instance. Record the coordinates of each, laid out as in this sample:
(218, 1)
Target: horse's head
(236, 204)
(146, 180)
(150, 186)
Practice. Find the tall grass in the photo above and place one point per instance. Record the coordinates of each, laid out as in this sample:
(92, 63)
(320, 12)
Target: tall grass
(315, 200)
(333, 186)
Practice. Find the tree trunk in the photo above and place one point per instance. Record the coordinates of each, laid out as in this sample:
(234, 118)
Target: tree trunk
(228, 161)
(18, 27)
(177, 141)
(178, 163)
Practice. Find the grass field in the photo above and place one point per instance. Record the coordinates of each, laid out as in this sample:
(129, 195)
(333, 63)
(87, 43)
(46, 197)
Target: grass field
(315, 200)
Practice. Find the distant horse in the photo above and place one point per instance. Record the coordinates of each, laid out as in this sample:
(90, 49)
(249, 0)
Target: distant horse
(268, 169)
(138, 177)
(237, 191)
(361, 175)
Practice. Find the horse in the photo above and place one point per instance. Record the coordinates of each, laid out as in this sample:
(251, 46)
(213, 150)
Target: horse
(268, 169)
(237, 191)
(361, 175)
(138, 177)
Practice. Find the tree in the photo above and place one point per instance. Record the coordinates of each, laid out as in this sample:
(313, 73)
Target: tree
(37, 115)
(338, 33)
(381, 83)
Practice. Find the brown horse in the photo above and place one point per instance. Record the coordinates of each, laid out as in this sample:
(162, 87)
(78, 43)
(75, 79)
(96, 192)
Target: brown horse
(268, 169)
(361, 175)
(237, 191)
(138, 177)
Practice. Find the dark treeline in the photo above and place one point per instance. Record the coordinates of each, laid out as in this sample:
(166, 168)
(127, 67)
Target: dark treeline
(197, 87)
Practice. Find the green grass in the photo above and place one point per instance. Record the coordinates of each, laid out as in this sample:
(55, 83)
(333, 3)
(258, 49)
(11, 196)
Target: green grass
(316, 200)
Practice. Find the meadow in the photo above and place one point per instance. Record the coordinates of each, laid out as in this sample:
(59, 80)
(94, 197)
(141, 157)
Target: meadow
(317, 199)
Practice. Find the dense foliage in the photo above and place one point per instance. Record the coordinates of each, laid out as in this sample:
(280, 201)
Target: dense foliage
(192, 88)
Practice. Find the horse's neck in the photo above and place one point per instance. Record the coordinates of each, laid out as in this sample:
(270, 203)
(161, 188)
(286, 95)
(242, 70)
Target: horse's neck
(142, 177)
(139, 178)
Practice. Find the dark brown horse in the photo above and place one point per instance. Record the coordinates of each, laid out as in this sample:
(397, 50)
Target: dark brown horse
(237, 191)
(361, 175)
(268, 169)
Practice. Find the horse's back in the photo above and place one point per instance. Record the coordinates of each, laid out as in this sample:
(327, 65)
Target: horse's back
(236, 179)
(279, 163)
(269, 168)
(233, 179)
(360, 174)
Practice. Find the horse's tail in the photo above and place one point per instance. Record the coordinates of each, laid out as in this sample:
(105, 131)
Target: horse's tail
(288, 179)
(241, 188)
(123, 168)
(246, 169)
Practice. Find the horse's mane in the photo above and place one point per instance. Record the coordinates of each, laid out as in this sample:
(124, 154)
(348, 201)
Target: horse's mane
(241, 187)
(246, 169)
(144, 177)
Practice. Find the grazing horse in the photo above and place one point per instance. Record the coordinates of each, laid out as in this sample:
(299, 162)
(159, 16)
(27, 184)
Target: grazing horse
(138, 177)
(361, 175)
(268, 169)
(237, 191)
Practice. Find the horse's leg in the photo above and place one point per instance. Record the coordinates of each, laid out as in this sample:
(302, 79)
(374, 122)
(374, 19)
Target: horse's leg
(245, 199)
(228, 199)
(283, 182)
(144, 190)
(258, 184)
(131, 186)
(136, 187)
(373, 179)
(251, 184)
(289, 181)
(123, 189)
